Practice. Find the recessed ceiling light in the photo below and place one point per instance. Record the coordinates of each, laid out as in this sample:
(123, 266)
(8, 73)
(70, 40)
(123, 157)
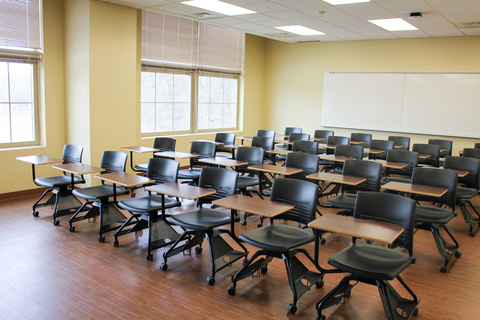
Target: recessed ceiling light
(303, 31)
(219, 6)
(395, 24)
(338, 2)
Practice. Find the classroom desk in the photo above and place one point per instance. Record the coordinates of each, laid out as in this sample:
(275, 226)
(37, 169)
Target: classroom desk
(138, 149)
(176, 154)
(331, 157)
(319, 139)
(109, 215)
(216, 143)
(424, 156)
(415, 188)
(243, 138)
(38, 160)
(327, 146)
(337, 178)
(252, 205)
(461, 173)
(392, 165)
(224, 162)
(273, 169)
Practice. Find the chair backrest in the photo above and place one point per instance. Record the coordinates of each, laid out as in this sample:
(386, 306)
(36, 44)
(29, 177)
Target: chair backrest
(471, 152)
(381, 144)
(224, 181)
(370, 170)
(294, 136)
(252, 155)
(307, 162)
(388, 208)
(301, 194)
(227, 139)
(289, 130)
(400, 141)
(436, 178)
(310, 147)
(402, 156)
(323, 133)
(266, 133)
(336, 140)
(432, 149)
(349, 150)
(72, 153)
(477, 145)
(445, 146)
(113, 161)
(163, 170)
(365, 138)
(205, 149)
(265, 143)
(164, 143)
(472, 165)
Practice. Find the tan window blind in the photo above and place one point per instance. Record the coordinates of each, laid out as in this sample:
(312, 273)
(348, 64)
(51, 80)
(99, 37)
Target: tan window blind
(20, 25)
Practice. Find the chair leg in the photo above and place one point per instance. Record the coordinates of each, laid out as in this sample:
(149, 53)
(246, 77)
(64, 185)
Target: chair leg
(445, 249)
(50, 201)
(176, 248)
(336, 295)
(470, 220)
(394, 305)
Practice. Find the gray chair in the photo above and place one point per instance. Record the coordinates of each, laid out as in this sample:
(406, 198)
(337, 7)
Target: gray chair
(362, 139)
(384, 145)
(400, 175)
(226, 139)
(205, 149)
(322, 134)
(160, 143)
(306, 146)
(429, 149)
(400, 142)
(266, 133)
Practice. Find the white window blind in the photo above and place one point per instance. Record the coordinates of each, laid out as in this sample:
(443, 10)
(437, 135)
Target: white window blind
(20, 24)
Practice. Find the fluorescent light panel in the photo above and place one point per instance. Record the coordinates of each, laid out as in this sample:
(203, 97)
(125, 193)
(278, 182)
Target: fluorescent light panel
(219, 6)
(338, 2)
(301, 30)
(395, 24)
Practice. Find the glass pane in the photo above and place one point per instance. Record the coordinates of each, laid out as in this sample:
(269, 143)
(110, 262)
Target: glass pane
(216, 116)
(164, 85)
(164, 118)
(148, 117)
(230, 91)
(148, 87)
(4, 123)
(216, 90)
(182, 88)
(22, 122)
(4, 82)
(21, 82)
(181, 118)
(202, 120)
(229, 115)
(203, 89)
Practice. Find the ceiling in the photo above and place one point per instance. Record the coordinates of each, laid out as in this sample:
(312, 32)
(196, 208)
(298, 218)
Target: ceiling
(441, 18)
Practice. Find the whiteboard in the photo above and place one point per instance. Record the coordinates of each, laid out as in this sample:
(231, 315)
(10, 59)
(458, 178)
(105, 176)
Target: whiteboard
(427, 103)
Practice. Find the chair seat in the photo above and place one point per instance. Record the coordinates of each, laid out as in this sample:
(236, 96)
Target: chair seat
(433, 215)
(244, 182)
(58, 181)
(203, 219)
(343, 201)
(192, 173)
(465, 193)
(142, 167)
(277, 237)
(371, 261)
(98, 192)
(147, 204)
(394, 179)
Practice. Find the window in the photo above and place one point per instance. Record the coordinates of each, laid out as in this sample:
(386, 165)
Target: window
(190, 77)
(20, 52)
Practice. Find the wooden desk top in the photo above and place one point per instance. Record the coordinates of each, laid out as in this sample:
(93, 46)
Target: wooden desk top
(217, 143)
(328, 146)
(180, 190)
(231, 146)
(282, 142)
(424, 156)
(139, 149)
(393, 165)
(244, 138)
(39, 160)
(275, 169)
(319, 139)
(357, 142)
(373, 151)
(332, 157)
(176, 154)
(337, 178)
(253, 205)
(78, 168)
(221, 161)
(359, 228)
(124, 179)
(283, 152)
(415, 188)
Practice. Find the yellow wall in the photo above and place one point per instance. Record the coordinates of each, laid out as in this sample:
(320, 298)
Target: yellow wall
(294, 74)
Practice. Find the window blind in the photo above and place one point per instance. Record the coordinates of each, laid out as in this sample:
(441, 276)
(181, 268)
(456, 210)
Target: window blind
(20, 25)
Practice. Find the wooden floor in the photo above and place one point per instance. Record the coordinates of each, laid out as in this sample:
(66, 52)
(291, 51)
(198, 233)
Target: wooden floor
(47, 272)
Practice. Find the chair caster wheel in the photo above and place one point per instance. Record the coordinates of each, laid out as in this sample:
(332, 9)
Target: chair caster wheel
(243, 222)
(35, 213)
(415, 312)
(443, 269)
(348, 294)
(321, 317)
(231, 290)
(319, 284)
(211, 280)
(323, 241)
(149, 256)
(198, 249)
(56, 222)
(164, 267)
(115, 243)
(101, 239)
(71, 228)
(292, 308)
(471, 234)
(458, 254)
(259, 225)
(264, 270)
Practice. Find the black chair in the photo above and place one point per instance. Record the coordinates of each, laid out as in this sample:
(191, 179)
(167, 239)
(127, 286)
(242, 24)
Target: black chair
(477, 145)
(375, 264)
(446, 146)
(370, 170)
(287, 132)
(266, 133)
(471, 152)
(468, 188)
(96, 197)
(205, 149)
(204, 222)
(160, 143)
(225, 139)
(144, 211)
(248, 178)
(266, 143)
(400, 142)
(305, 146)
(404, 174)
(59, 187)
(322, 134)
(362, 139)
(434, 217)
(385, 145)
(334, 141)
(431, 149)
(307, 162)
(283, 241)
(294, 136)
(347, 150)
